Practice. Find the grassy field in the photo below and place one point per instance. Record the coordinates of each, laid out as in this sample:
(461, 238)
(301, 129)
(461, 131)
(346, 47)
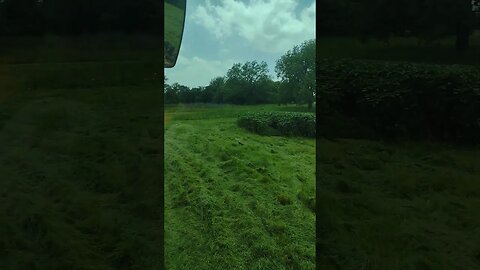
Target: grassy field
(233, 199)
(80, 154)
(81, 161)
(404, 205)
(398, 206)
(81, 164)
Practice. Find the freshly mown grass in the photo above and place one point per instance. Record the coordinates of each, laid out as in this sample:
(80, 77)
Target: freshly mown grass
(80, 173)
(234, 199)
(398, 206)
(80, 162)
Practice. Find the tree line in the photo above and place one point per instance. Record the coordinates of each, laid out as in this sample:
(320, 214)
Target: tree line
(425, 19)
(250, 82)
(73, 17)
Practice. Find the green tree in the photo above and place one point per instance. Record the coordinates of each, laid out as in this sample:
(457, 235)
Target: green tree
(171, 93)
(182, 92)
(216, 90)
(248, 83)
(296, 69)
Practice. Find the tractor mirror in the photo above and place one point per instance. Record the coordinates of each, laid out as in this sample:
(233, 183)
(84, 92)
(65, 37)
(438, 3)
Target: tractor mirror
(174, 23)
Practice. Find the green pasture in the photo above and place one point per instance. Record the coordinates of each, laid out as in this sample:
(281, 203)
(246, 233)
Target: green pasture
(234, 199)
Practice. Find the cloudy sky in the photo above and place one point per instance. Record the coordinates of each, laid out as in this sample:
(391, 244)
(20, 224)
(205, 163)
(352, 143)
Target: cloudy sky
(219, 33)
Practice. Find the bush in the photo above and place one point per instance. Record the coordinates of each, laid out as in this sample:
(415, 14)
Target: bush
(279, 123)
(417, 101)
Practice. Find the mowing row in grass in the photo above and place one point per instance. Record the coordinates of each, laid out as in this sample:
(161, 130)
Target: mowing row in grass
(235, 199)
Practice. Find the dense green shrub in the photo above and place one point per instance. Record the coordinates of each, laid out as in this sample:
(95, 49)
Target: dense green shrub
(279, 123)
(418, 101)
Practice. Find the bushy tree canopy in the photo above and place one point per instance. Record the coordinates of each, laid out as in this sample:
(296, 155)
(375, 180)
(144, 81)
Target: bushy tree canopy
(251, 83)
(296, 69)
(247, 83)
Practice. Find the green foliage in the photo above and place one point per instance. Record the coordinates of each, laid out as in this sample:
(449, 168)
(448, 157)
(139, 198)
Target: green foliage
(216, 90)
(284, 123)
(250, 72)
(296, 69)
(247, 83)
(404, 100)
(250, 82)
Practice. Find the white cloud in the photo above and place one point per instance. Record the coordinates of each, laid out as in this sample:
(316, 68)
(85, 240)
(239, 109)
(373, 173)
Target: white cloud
(270, 26)
(196, 71)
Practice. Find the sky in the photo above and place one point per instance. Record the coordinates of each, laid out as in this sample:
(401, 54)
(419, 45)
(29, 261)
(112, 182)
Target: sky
(219, 33)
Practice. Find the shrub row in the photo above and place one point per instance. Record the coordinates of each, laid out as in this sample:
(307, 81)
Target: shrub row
(396, 99)
(279, 123)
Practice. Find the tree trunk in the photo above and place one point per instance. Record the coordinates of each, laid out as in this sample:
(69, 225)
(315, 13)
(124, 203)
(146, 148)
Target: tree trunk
(463, 37)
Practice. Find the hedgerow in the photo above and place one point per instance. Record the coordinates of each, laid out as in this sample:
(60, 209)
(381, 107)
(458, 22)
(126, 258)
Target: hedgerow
(279, 123)
(418, 101)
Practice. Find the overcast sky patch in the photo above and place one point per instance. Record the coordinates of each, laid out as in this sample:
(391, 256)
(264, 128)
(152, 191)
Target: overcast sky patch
(220, 33)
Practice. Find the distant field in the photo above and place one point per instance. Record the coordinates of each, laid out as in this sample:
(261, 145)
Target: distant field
(400, 49)
(233, 199)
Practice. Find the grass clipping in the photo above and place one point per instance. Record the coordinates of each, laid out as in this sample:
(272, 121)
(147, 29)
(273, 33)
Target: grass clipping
(279, 123)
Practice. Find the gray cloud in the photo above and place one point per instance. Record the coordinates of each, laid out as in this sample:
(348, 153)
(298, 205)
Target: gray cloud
(266, 25)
